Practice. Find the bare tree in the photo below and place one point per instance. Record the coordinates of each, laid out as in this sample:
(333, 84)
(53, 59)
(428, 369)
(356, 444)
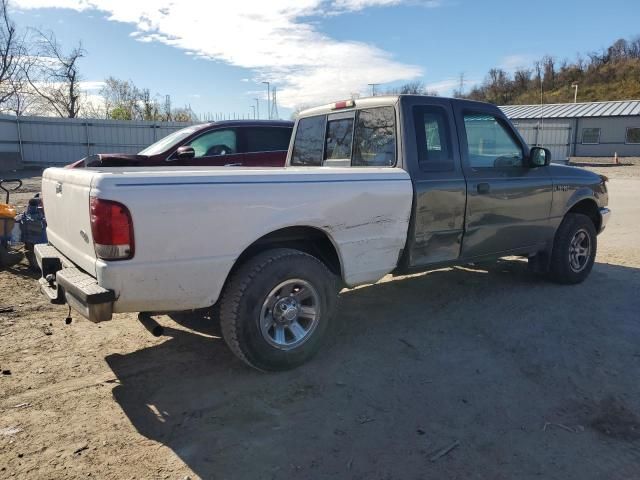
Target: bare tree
(12, 51)
(53, 75)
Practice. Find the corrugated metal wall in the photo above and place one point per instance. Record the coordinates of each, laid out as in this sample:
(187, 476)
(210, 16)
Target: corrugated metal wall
(564, 136)
(59, 141)
(555, 135)
(613, 133)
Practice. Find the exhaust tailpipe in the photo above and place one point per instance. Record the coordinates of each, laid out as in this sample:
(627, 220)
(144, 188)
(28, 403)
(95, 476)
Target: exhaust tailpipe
(150, 324)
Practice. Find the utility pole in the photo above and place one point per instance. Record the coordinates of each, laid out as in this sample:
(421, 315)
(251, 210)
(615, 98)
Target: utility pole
(268, 100)
(461, 84)
(575, 93)
(373, 88)
(257, 108)
(254, 111)
(274, 104)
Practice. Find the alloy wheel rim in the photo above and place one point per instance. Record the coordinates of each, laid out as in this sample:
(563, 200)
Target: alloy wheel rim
(579, 250)
(290, 314)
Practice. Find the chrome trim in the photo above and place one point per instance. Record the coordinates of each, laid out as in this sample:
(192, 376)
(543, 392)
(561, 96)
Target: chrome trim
(605, 215)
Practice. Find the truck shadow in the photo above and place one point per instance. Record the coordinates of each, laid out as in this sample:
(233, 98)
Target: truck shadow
(483, 355)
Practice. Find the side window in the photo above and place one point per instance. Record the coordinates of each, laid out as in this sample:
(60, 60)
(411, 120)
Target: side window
(339, 138)
(217, 142)
(375, 138)
(309, 141)
(266, 139)
(633, 135)
(490, 144)
(433, 139)
(590, 136)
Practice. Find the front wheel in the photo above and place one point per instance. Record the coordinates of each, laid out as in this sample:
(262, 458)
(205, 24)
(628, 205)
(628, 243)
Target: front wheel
(574, 249)
(276, 308)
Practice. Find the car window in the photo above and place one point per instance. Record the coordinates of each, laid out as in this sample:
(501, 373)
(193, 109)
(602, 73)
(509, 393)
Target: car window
(171, 140)
(433, 139)
(309, 141)
(266, 139)
(216, 142)
(375, 138)
(489, 143)
(338, 140)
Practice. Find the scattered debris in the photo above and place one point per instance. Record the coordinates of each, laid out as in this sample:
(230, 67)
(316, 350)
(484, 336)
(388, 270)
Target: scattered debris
(408, 344)
(364, 419)
(6, 372)
(419, 431)
(350, 464)
(81, 448)
(7, 309)
(46, 330)
(22, 405)
(10, 431)
(577, 429)
(444, 451)
(40, 370)
(341, 384)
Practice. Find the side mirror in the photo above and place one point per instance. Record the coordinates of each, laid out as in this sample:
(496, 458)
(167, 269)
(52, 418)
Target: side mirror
(539, 157)
(185, 152)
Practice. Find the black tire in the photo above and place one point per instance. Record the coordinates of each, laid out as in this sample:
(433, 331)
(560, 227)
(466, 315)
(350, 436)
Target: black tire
(244, 297)
(561, 269)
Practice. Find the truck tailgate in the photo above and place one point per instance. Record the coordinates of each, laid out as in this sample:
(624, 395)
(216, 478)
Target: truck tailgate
(66, 195)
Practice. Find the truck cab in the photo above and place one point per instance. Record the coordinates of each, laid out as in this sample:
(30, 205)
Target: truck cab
(479, 191)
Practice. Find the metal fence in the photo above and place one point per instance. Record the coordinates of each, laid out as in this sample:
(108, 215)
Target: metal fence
(45, 141)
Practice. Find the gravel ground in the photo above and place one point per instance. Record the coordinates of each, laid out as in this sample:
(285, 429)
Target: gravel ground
(485, 373)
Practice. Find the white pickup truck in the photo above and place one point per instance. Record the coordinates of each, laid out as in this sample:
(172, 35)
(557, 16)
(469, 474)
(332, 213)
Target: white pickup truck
(383, 185)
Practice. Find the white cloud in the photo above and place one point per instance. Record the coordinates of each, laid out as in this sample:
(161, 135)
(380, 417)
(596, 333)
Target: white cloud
(276, 39)
(511, 63)
(92, 85)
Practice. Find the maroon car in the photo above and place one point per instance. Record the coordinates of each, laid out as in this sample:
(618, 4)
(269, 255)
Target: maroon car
(250, 143)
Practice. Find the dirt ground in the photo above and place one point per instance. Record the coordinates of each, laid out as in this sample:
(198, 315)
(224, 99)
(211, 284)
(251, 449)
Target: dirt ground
(486, 373)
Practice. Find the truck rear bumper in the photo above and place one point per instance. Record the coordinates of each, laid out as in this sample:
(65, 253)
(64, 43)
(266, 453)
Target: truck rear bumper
(63, 283)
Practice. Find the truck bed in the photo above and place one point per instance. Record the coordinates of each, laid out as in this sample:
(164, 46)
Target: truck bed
(191, 224)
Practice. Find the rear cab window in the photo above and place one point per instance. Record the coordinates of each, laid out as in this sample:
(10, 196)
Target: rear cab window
(360, 138)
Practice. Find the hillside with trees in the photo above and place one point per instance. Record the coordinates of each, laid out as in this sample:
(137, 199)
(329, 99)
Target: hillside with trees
(610, 74)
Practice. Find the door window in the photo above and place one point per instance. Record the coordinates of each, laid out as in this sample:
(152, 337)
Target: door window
(267, 139)
(490, 144)
(309, 142)
(217, 142)
(375, 138)
(433, 139)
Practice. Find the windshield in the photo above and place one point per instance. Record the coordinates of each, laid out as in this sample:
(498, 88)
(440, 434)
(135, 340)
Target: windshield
(169, 141)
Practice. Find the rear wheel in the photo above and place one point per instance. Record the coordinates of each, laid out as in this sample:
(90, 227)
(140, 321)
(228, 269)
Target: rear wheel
(574, 249)
(276, 308)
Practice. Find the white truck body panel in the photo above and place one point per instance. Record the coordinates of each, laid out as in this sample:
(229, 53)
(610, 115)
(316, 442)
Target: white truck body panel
(191, 225)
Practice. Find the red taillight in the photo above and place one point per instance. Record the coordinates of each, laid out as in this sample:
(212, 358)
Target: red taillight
(112, 230)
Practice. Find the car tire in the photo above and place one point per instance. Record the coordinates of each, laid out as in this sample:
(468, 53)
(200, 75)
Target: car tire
(574, 249)
(276, 308)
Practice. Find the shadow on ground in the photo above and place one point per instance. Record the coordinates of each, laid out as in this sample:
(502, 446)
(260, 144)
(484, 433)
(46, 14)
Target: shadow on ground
(534, 380)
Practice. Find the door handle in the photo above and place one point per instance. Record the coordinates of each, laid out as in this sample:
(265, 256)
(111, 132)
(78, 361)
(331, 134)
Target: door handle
(233, 165)
(484, 188)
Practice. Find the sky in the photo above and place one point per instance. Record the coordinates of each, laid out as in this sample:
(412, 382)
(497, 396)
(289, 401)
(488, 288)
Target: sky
(214, 55)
